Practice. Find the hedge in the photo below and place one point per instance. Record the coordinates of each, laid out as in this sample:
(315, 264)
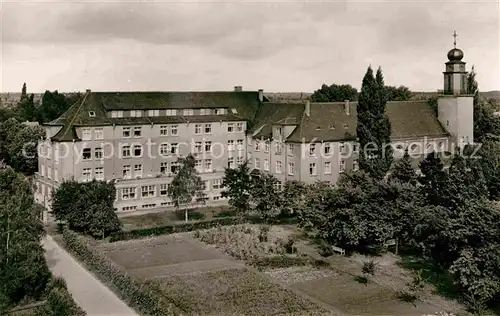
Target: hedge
(178, 228)
(145, 298)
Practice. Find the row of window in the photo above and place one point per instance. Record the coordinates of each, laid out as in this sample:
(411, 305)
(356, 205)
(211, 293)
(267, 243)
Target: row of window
(165, 130)
(148, 191)
(312, 167)
(169, 112)
(49, 173)
(87, 175)
(166, 203)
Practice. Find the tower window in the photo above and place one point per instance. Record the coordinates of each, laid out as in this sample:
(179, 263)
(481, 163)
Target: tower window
(447, 123)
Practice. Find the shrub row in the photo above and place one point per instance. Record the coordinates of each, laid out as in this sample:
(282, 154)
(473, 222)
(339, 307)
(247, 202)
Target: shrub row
(177, 228)
(283, 261)
(59, 301)
(143, 297)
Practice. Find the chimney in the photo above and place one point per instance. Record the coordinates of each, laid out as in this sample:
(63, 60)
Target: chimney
(261, 95)
(308, 108)
(238, 88)
(88, 90)
(346, 107)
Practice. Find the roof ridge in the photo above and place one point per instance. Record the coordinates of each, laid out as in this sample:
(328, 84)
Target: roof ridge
(78, 110)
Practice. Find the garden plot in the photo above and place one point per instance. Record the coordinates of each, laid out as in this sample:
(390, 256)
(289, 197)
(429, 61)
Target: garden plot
(235, 292)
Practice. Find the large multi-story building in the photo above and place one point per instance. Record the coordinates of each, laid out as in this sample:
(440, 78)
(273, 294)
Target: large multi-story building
(135, 138)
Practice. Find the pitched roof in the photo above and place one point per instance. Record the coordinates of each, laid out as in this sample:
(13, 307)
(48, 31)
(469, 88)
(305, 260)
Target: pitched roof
(246, 104)
(329, 122)
(276, 113)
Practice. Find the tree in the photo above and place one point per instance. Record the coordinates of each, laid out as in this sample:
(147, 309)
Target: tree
(237, 184)
(374, 128)
(265, 197)
(403, 170)
(54, 104)
(400, 93)
(23, 270)
(27, 108)
(293, 197)
(87, 207)
(24, 93)
(488, 157)
(186, 184)
(335, 93)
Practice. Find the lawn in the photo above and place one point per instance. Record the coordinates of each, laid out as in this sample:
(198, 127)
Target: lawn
(173, 217)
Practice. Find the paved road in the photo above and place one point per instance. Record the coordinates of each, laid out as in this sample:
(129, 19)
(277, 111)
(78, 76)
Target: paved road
(88, 292)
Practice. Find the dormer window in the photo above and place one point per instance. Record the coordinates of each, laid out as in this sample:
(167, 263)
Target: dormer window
(332, 126)
(318, 128)
(345, 126)
(234, 111)
(91, 113)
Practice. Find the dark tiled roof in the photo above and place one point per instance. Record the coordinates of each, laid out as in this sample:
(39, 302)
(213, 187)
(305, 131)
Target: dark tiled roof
(276, 113)
(329, 122)
(245, 103)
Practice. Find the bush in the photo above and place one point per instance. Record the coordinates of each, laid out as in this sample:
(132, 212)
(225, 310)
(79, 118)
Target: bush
(192, 215)
(363, 279)
(224, 214)
(143, 297)
(369, 267)
(60, 303)
(264, 230)
(325, 250)
(170, 229)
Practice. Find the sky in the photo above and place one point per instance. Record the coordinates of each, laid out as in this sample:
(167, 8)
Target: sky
(278, 46)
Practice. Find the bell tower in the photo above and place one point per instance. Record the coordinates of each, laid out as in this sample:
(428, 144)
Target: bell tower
(455, 105)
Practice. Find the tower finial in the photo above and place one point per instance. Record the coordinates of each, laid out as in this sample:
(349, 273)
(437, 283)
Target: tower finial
(455, 39)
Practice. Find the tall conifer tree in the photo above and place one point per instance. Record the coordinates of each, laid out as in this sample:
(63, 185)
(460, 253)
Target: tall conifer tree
(374, 129)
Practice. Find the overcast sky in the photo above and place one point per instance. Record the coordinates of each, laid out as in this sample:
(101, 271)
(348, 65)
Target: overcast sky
(277, 46)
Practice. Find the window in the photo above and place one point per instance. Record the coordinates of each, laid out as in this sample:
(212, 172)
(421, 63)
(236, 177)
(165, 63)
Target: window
(42, 171)
(173, 167)
(266, 164)
(126, 132)
(208, 146)
(207, 185)
(328, 167)
(171, 112)
(187, 112)
(230, 163)
(441, 145)
(116, 113)
(173, 130)
(56, 154)
(128, 193)
(138, 170)
(345, 126)
(230, 127)
(148, 205)
(198, 165)
(197, 147)
(99, 133)
(147, 191)
(164, 167)
(230, 145)
(312, 149)
(342, 147)
(279, 167)
(342, 165)
(49, 172)
(216, 198)
(86, 134)
(239, 127)
(137, 131)
(291, 168)
(257, 163)
(154, 113)
(56, 175)
(217, 184)
(87, 154)
(86, 174)
(257, 145)
(327, 148)
(127, 172)
(312, 169)
(98, 153)
(413, 147)
(208, 128)
(163, 189)
(279, 148)
(163, 130)
(129, 208)
(266, 146)
(208, 165)
(137, 150)
(126, 151)
(197, 129)
(240, 160)
(136, 113)
(99, 173)
(174, 148)
(164, 149)
(355, 148)
(355, 165)
(290, 149)
(447, 123)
